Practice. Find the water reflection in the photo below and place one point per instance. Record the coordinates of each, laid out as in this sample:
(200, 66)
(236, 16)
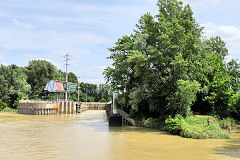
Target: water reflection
(87, 136)
(231, 149)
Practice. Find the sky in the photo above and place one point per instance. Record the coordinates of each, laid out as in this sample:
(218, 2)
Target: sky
(85, 29)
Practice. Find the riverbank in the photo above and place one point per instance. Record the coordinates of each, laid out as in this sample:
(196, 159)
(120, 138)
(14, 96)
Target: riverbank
(196, 127)
(87, 135)
(7, 109)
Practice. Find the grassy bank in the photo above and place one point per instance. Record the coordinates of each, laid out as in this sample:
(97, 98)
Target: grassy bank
(192, 126)
(7, 109)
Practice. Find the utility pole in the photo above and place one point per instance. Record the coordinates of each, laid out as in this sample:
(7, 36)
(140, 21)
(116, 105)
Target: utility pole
(66, 60)
(86, 94)
(78, 90)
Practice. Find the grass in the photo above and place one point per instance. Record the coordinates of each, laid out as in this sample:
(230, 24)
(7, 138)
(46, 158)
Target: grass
(80, 111)
(8, 109)
(197, 127)
(192, 126)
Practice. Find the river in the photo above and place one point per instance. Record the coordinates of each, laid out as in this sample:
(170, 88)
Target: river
(86, 136)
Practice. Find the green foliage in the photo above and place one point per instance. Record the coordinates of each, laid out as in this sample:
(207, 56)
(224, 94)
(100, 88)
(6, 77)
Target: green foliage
(174, 125)
(153, 123)
(39, 73)
(2, 105)
(161, 60)
(8, 109)
(18, 83)
(166, 67)
(13, 84)
(184, 96)
(95, 92)
(217, 45)
(196, 127)
(102, 100)
(227, 123)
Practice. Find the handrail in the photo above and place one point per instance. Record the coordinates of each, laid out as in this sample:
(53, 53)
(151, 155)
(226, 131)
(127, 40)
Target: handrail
(126, 116)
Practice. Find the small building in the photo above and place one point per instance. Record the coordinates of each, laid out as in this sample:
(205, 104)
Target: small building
(60, 88)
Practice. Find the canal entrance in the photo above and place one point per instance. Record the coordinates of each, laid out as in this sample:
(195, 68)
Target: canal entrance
(87, 136)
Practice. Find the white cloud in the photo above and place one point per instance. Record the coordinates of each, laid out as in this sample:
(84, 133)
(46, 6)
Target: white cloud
(12, 39)
(86, 30)
(201, 3)
(4, 63)
(151, 1)
(230, 34)
(92, 74)
(19, 24)
(30, 57)
(2, 59)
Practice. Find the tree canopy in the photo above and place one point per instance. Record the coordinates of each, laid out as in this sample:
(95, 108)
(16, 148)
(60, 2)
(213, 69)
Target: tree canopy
(167, 67)
(29, 82)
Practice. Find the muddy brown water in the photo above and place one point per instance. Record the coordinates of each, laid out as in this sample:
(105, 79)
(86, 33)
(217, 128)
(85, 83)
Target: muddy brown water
(86, 136)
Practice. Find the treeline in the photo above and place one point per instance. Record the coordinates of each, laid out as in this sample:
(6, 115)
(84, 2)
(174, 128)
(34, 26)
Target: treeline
(167, 67)
(28, 83)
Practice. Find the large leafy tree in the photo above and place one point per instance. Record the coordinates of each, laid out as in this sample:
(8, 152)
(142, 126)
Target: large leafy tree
(39, 72)
(161, 62)
(13, 85)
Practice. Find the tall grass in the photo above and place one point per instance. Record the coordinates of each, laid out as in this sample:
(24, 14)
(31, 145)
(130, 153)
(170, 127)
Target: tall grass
(197, 127)
(192, 126)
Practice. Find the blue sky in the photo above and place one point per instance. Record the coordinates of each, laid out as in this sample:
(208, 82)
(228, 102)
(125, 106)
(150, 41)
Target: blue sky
(46, 29)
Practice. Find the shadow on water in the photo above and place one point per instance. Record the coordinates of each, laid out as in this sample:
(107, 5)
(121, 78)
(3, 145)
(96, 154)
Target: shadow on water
(232, 146)
(98, 121)
(138, 129)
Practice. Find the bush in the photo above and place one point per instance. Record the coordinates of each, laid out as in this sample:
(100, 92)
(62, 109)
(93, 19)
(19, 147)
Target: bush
(174, 125)
(2, 105)
(227, 123)
(195, 127)
(8, 109)
(151, 123)
(102, 100)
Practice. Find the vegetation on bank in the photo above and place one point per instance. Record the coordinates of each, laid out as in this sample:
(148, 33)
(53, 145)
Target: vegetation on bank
(192, 126)
(5, 108)
(28, 83)
(167, 66)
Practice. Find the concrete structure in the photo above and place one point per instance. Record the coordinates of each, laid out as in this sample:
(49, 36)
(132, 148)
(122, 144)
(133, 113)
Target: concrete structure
(115, 99)
(49, 108)
(46, 108)
(94, 106)
(115, 120)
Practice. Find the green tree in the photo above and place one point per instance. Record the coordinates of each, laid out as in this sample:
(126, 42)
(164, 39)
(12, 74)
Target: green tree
(39, 73)
(13, 85)
(157, 60)
(219, 90)
(233, 69)
(73, 79)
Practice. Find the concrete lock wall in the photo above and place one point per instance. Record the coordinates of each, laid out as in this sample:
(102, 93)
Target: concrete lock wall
(67, 107)
(37, 108)
(93, 106)
(46, 108)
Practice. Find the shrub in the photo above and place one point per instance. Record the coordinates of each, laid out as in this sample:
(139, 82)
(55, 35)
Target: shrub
(8, 109)
(151, 123)
(175, 125)
(102, 100)
(227, 123)
(195, 127)
(2, 105)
